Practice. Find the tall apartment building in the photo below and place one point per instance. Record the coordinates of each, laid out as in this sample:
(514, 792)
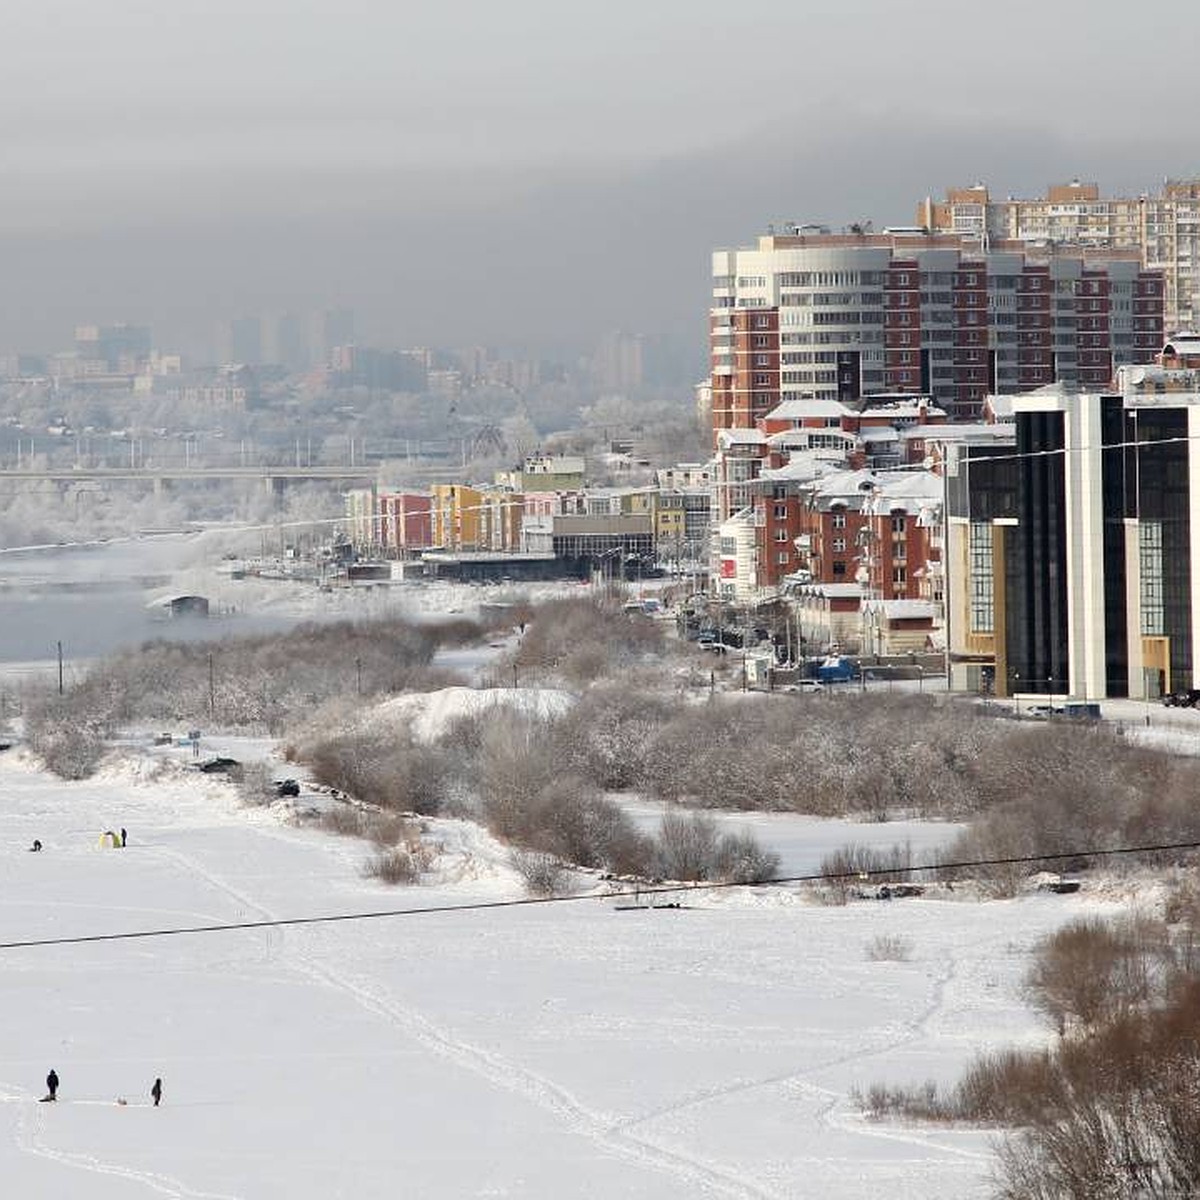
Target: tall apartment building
(241, 341)
(118, 347)
(810, 314)
(1163, 228)
(1071, 553)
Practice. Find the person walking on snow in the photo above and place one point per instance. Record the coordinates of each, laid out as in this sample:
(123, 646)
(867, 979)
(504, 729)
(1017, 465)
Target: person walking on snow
(156, 1092)
(52, 1085)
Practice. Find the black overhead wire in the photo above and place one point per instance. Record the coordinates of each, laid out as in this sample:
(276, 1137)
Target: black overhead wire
(627, 893)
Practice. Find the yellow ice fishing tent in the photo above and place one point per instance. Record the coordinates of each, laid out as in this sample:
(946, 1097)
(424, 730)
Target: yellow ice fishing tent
(109, 840)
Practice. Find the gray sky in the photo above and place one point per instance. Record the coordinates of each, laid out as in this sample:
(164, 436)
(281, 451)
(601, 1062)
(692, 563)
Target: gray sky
(528, 170)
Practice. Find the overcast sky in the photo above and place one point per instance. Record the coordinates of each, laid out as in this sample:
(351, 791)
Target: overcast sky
(527, 171)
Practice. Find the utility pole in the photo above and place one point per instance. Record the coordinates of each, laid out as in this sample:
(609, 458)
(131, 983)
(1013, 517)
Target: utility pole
(60, 669)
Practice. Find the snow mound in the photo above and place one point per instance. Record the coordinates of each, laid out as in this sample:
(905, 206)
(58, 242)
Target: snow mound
(428, 715)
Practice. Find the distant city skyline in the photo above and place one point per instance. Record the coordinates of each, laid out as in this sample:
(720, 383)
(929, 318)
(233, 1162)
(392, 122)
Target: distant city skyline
(524, 175)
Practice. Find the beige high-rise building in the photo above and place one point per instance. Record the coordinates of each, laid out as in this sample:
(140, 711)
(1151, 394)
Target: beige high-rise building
(1165, 228)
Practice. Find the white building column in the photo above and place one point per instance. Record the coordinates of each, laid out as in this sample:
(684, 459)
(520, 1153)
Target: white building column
(1085, 547)
(1193, 448)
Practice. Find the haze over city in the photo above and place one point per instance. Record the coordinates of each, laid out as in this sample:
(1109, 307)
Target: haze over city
(525, 174)
(597, 599)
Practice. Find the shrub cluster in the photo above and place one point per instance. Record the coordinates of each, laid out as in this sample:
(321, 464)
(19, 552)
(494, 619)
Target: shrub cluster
(525, 778)
(579, 641)
(1113, 1108)
(257, 683)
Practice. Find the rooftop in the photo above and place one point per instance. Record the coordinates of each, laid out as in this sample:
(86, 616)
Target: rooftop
(796, 410)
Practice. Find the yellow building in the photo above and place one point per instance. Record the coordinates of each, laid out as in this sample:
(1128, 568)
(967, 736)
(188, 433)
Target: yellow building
(474, 519)
(456, 516)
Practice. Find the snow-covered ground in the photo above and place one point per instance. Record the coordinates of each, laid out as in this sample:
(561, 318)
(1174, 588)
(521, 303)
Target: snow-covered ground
(566, 1050)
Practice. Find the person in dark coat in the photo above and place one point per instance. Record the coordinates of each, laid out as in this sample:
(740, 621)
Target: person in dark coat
(37, 845)
(156, 1092)
(122, 837)
(52, 1084)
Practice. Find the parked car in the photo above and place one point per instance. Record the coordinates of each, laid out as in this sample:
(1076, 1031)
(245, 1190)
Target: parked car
(1184, 698)
(804, 685)
(219, 765)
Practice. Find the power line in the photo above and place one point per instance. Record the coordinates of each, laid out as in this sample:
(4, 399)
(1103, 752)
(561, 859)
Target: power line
(628, 893)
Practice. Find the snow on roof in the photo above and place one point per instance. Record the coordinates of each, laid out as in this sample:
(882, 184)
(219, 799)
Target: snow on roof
(903, 610)
(831, 591)
(970, 431)
(847, 483)
(880, 433)
(748, 437)
(796, 410)
(900, 408)
(802, 467)
(921, 484)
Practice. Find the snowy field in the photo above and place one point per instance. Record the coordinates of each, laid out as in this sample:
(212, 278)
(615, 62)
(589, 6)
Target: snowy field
(568, 1050)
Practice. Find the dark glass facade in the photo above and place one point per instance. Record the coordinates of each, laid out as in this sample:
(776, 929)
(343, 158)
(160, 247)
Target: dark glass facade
(1036, 568)
(1116, 465)
(1159, 493)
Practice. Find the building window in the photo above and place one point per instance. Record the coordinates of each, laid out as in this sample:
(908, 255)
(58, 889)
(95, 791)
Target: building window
(839, 545)
(899, 574)
(781, 535)
(781, 512)
(839, 570)
(1150, 551)
(981, 583)
(839, 520)
(782, 558)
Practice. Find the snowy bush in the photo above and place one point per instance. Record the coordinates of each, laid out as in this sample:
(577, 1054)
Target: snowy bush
(67, 733)
(398, 865)
(689, 847)
(889, 947)
(541, 873)
(580, 641)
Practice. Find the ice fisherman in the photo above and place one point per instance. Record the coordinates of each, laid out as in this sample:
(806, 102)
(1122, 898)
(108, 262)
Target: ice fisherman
(122, 838)
(156, 1092)
(37, 845)
(52, 1085)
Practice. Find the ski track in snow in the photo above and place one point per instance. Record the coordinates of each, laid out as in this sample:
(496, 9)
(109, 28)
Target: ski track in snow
(914, 1029)
(511, 1076)
(499, 1071)
(31, 1139)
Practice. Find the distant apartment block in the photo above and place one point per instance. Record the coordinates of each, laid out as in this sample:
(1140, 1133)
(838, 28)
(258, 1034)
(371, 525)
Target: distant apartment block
(837, 317)
(289, 345)
(545, 472)
(1071, 551)
(336, 329)
(119, 348)
(1164, 228)
(619, 362)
